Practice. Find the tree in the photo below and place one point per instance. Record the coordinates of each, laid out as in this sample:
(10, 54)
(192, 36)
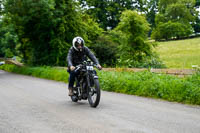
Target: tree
(47, 27)
(196, 24)
(197, 4)
(8, 41)
(89, 30)
(8, 38)
(178, 14)
(107, 12)
(152, 9)
(135, 28)
(1, 6)
(106, 48)
(171, 29)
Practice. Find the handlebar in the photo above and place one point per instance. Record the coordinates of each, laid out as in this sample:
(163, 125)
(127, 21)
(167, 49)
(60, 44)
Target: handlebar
(80, 66)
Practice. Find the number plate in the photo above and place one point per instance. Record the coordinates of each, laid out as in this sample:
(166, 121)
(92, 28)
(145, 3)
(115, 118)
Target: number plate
(90, 68)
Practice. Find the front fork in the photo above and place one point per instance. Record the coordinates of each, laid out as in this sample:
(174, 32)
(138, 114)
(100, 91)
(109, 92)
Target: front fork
(88, 83)
(90, 87)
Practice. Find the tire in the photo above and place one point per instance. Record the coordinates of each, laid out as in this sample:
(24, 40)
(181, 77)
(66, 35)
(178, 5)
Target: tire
(94, 102)
(74, 98)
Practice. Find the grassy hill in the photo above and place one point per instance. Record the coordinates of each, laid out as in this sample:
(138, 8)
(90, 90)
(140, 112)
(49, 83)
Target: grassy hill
(181, 53)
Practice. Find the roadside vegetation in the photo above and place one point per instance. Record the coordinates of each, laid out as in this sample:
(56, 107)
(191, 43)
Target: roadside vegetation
(181, 53)
(41, 72)
(147, 84)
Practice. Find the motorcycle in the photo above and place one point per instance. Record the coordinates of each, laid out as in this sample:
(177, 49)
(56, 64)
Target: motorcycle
(87, 84)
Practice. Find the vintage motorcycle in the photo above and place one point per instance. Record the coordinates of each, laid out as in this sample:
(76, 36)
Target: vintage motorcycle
(87, 84)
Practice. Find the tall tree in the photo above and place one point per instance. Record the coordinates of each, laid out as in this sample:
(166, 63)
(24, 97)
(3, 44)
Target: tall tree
(107, 12)
(36, 24)
(1, 6)
(46, 28)
(135, 27)
(197, 3)
(174, 19)
(196, 24)
(8, 38)
(152, 9)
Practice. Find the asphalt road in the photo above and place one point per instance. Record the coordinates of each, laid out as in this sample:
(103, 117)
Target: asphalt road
(33, 105)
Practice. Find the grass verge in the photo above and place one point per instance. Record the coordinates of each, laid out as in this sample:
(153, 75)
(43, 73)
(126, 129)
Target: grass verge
(41, 72)
(171, 88)
(167, 87)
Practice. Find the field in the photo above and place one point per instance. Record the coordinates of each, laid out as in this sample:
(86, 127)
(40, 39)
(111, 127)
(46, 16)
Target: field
(180, 54)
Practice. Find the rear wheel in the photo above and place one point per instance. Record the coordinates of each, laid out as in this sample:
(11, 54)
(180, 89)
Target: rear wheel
(94, 94)
(74, 98)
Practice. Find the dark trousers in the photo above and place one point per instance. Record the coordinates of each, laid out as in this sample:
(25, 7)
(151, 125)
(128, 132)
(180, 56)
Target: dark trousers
(72, 77)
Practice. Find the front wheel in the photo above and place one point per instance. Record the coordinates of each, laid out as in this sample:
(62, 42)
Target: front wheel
(94, 94)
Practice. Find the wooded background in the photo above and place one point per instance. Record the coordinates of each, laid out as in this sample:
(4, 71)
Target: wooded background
(40, 32)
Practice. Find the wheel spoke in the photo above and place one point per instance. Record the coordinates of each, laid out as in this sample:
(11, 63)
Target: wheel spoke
(94, 94)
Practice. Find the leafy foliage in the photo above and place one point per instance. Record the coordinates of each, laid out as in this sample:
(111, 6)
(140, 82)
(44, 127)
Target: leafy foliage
(1, 6)
(153, 85)
(41, 72)
(196, 25)
(135, 50)
(108, 12)
(171, 30)
(106, 48)
(174, 19)
(46, 28)
(9, 38)
(89, 30)
(152, 8)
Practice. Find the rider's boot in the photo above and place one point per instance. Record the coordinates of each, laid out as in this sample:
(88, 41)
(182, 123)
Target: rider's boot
(70, 92)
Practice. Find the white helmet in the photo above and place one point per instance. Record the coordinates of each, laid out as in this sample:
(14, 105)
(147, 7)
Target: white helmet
(78, 41)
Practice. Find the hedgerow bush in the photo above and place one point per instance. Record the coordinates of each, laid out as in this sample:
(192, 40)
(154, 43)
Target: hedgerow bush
(149, 84)
(41, 72)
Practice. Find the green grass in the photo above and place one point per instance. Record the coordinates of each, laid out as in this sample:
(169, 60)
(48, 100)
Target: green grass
(41, 72)
(171, 88)
(180, 54)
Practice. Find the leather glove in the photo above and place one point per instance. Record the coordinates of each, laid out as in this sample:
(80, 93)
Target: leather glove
(99, 67)
(72, 68)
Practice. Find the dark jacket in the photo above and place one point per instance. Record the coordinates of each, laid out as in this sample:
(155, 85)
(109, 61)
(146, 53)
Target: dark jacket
(75, 58)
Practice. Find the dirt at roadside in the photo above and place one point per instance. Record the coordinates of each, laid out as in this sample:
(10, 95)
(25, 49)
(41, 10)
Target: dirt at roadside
(179, 72)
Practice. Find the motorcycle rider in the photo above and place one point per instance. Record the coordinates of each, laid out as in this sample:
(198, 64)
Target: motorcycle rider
(76, 55)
